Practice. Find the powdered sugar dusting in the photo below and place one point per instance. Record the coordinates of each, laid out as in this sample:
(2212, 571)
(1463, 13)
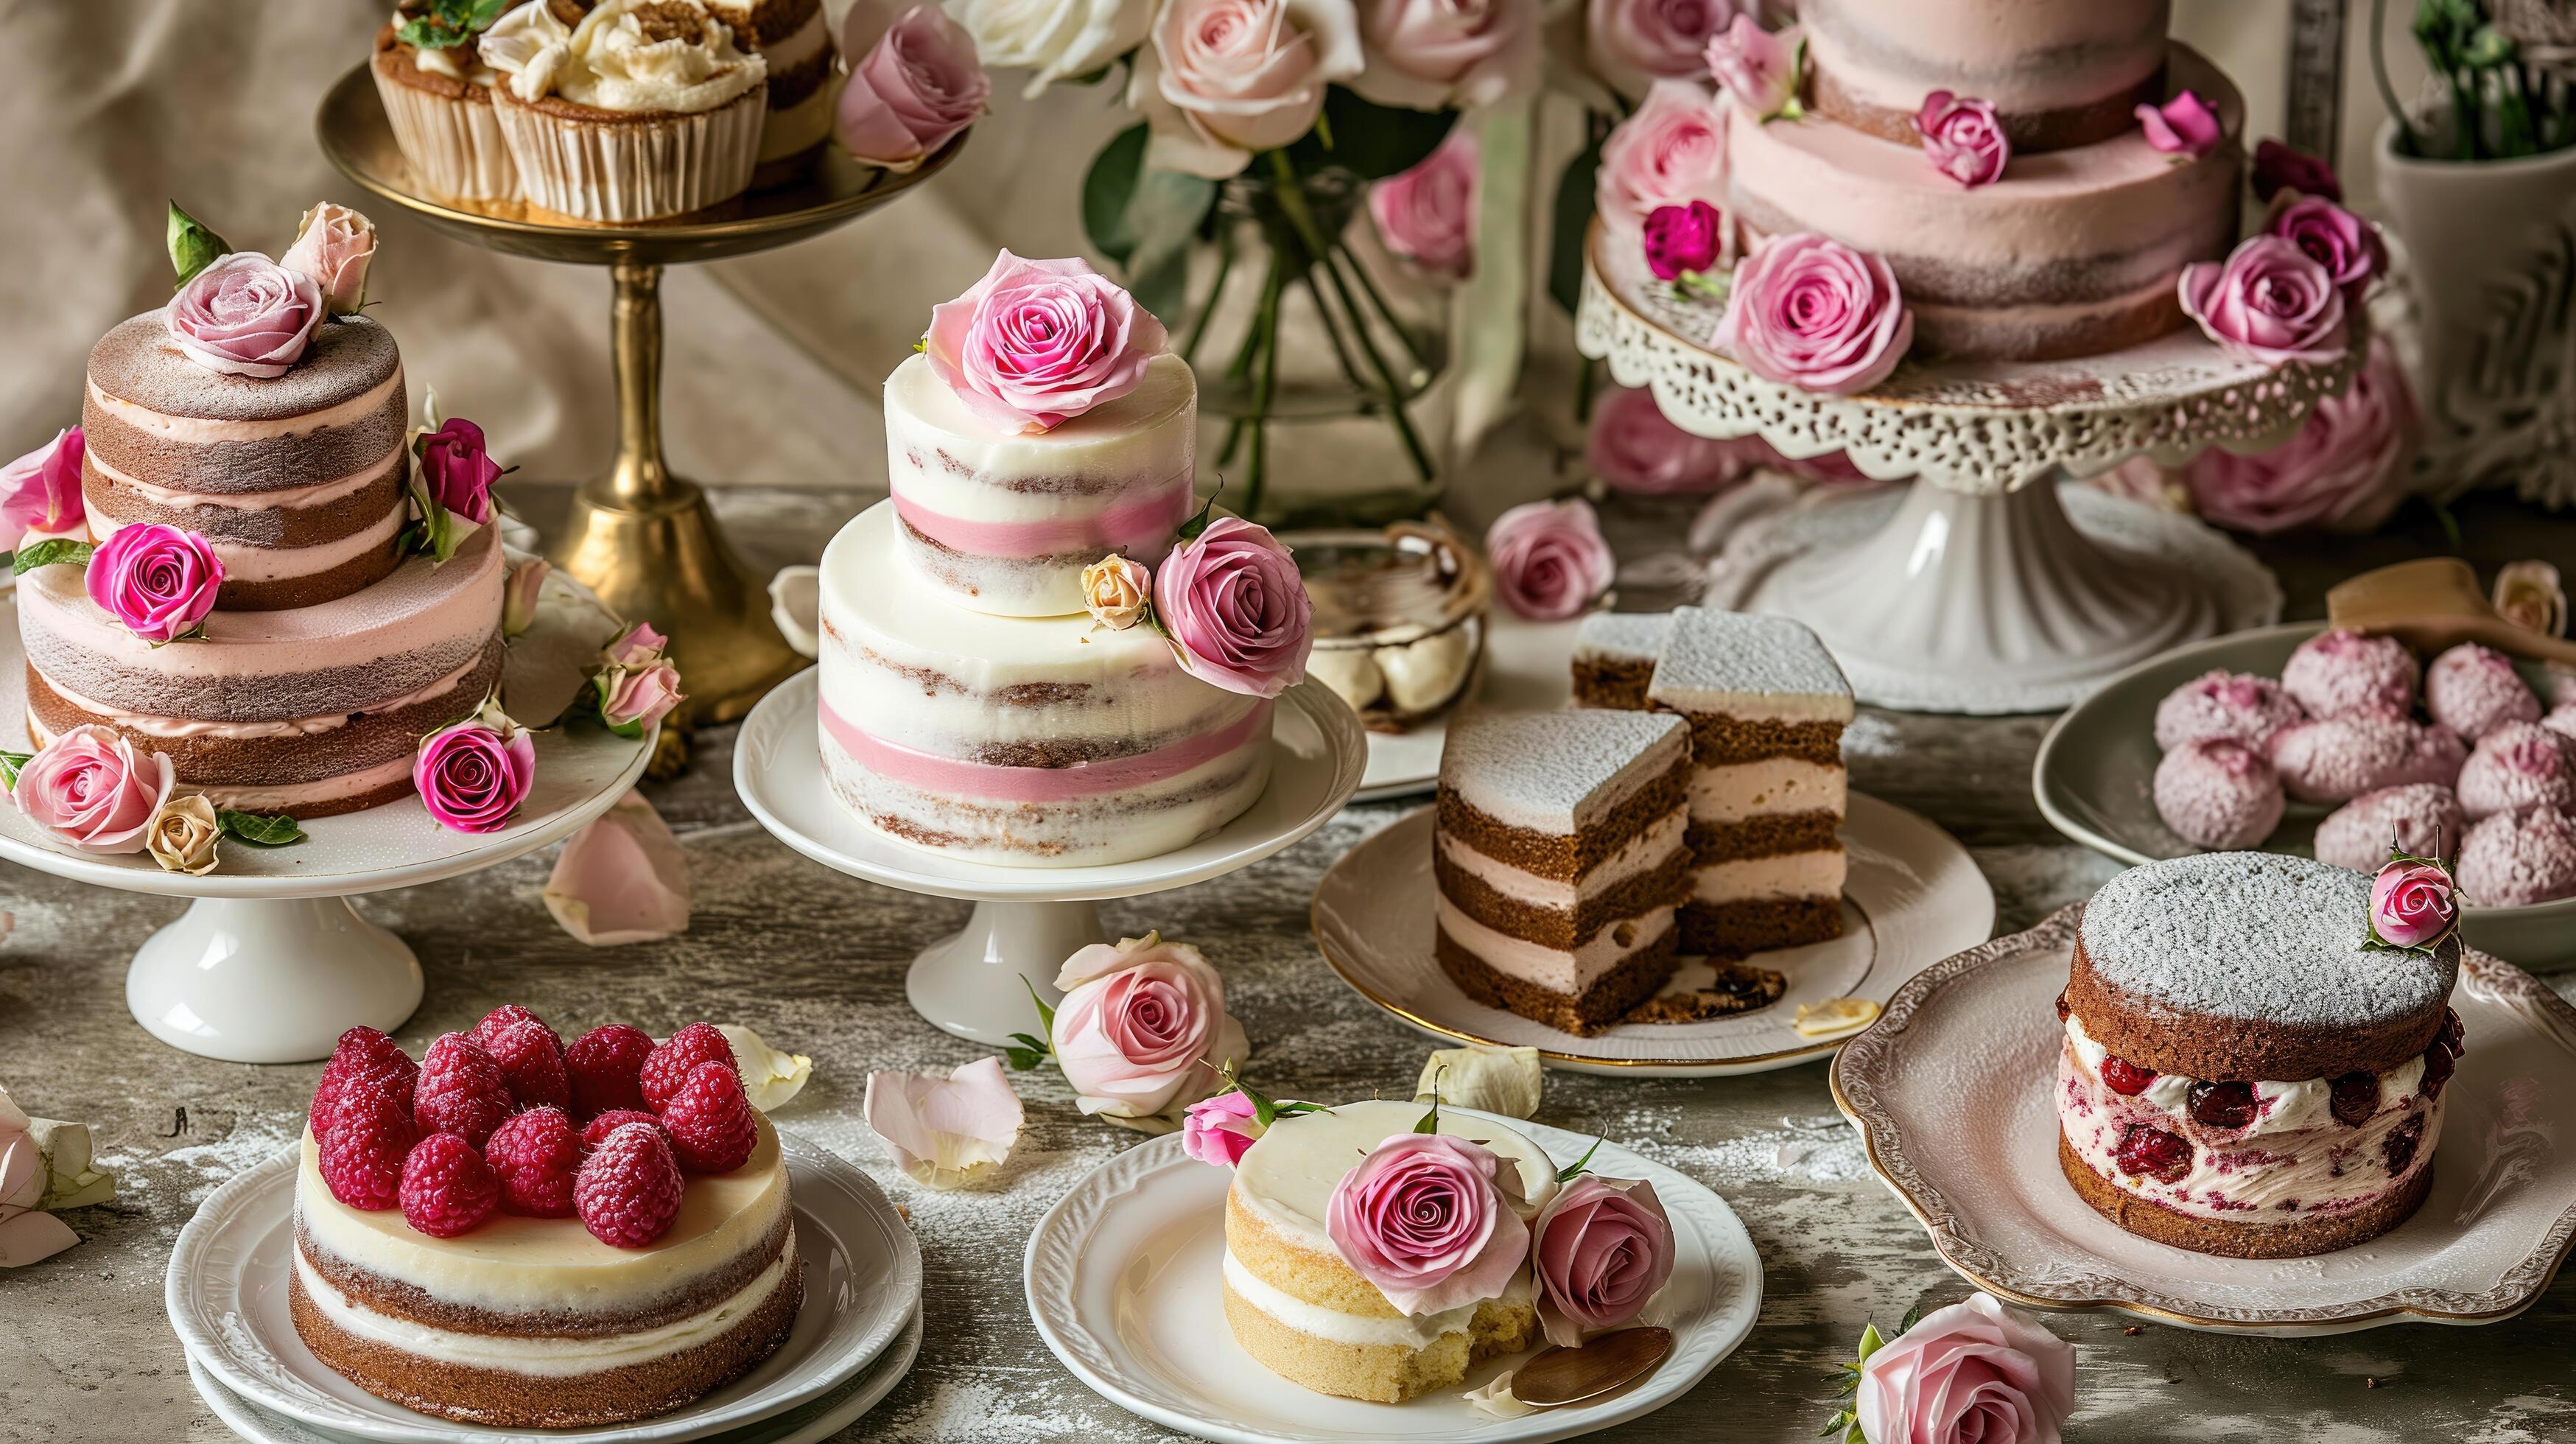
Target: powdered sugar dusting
(1622, 636)
(1713, 656)
(138, 362)
(1556, 771)
(2255, 935)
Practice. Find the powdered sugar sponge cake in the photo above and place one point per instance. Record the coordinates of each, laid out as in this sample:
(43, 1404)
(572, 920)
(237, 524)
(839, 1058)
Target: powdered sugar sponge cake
(2241, 1076)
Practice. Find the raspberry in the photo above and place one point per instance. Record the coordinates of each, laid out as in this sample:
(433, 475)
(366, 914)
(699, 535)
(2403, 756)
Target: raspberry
(603, 1063)
(2151, 1152)
(628, 1190)
(669, 1065)
(447, 1188)
(2398, 1148)
(461, 1090)
(2124, 1077)
(362, 1148)
(532, 1062)
(534, 1156)
(2355, 1096)
(2438, 1065)
(2222, 1105)
(504, 1018)
(710, 1121)
(607, 1123)
(360, 1051)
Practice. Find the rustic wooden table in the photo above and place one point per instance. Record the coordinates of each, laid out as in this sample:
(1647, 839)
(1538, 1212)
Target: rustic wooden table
(815, 962)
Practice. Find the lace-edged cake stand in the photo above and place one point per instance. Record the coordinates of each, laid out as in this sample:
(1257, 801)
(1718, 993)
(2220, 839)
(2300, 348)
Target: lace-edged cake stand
(270, 963)
(1985, 586)
(1028, 920)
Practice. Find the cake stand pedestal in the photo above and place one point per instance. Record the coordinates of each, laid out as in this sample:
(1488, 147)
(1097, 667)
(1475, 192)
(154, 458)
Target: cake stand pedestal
(1987, 586)
(640, 537)
(1028, 920)
(270, 963)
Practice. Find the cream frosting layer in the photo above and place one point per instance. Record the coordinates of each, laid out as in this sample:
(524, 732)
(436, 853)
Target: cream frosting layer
(1774, 786)
(151, 725)
(199, 430)
(611, 60)
(1559, 970)
(1418, 1331)
(1641, 854)
(2021, 57)
(244, 562)
(291, 797)
(543, 1356)
(320, 493)
(514, 1265)
(1286, 1178)
(1786, 875)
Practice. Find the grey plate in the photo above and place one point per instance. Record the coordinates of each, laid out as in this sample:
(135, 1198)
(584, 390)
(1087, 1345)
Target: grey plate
(2095, 767)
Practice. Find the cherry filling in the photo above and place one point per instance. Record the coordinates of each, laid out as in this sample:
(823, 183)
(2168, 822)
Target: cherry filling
(2356, 1097)
(2400, 1145)
(2124, 1077)
(2452, 1033)
(2222, 1105)
(2151, 1152)
(2437, 1070)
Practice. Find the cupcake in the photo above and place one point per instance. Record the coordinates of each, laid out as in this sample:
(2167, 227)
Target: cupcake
(437, 94)
(643, 111)
(795, 43)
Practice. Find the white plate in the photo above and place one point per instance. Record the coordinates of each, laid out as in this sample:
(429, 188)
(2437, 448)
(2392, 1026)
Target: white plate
(1912, 898)
(807, 1424)
(1529, 667)
(1123, 1280)
(227, 1299)
(1953, 1094)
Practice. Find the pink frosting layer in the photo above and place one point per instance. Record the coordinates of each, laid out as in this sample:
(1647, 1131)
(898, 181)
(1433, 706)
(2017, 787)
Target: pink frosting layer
(1138, 523)
(931, 773)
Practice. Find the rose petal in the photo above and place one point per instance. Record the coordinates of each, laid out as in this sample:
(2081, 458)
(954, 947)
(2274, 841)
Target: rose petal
(945, 1131)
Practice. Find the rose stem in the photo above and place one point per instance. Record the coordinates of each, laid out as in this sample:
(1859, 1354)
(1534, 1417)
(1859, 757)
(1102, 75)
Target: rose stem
(1243, 358)
(1265, 382)
(1216, 293)
(1292, 200)
(1412, 350)
(1333, 331)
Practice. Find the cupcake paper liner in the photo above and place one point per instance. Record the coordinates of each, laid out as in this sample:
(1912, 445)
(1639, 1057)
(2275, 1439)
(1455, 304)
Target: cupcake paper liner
(454, 146)
(621, 170)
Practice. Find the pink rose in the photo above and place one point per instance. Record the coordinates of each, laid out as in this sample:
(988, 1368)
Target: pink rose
(1225, 78)
(640, 646)
(246, 315)
(1036, 343)
(1427, 214)
(1811, 312)
(457, 470)
(2345, 244)
(519, 595)
(1423, 1218)
(1759, 67)
(1973, 1373)
(1635, 448)
(471, 778)
(1670, 152)
(1600, 1250)
(2411, 904)
(1549, 559)
(2268, 302)
(1234, 605)
(1447, 54)
(913, 92)
(333, 245)
(1634, 42)
(1218, 1130)
(1681, 239)
(2184, 125)
(1142, 1025)
(2277, 168)
(2348, 467)
(1963, 139)
(41, 491)
(638, 699)
(90, 788)
(158, 581)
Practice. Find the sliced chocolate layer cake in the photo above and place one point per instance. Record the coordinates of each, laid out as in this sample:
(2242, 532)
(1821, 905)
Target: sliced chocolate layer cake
(1614, 657)
(1559, 856)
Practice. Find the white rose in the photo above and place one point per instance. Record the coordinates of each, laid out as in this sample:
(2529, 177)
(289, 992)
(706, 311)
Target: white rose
(1225, 78)
(183, 835)
(1058, 39)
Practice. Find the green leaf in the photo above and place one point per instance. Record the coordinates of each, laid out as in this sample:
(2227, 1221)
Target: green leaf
(260, 830)
(10, 762)
(451, 22)
(1581, 1165)
(1370, 141)
(192, 246)
(1108, 187)
(1190, 529)
(58, 552)
(1871, 1343)
(1046, 1015)
(1572, 219)
(1145, 220)
(1023, 1059)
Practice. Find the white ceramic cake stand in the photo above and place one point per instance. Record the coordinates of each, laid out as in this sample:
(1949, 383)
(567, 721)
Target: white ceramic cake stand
(1028, 920)
(271, 964)
(1980, 588)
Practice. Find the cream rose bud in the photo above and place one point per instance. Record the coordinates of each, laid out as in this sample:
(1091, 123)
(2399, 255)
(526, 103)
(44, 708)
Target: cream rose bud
(519, 595)
(1225, 78)
(1116, 591)
(1447, 54)
(183, 835)
(333, 246)
(1056, 39)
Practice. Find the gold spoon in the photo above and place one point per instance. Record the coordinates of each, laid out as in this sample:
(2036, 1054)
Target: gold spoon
(1555, 1377)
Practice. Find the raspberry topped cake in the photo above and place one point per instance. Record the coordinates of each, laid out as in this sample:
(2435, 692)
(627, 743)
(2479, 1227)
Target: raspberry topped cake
(2256, 1050)
(517, 1233)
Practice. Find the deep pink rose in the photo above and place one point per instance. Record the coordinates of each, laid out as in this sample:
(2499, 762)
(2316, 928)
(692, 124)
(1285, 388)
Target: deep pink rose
(1600, 1250)
(2268, 301)
(1633, 42)
(90, 788)
(2345, 244)
(457, 470)
(333, 246)
(642, 698)
(1634, 447)
(2277, 168)
(1670, 152)
(2348, 467)
(1218, 1130)
(1973, 1373)
(1447, 54)
(1036, 343)
(1962, 138)
(1549, 558)
(246, 315)
(41, 491)
(1142, 1025)
(1811, 312)
(1233, 603)
(2184, 125)
(1424, 1218)
(913, 92)
(1759, 67)
(1427, 214)
(158, 581)
(471, 778)
(2411, 903)
(1684, 238)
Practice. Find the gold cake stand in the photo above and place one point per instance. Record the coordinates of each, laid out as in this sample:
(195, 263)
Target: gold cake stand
(640, 537)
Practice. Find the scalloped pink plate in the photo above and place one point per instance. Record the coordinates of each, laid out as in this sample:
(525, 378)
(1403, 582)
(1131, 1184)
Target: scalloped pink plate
(1952, 1093)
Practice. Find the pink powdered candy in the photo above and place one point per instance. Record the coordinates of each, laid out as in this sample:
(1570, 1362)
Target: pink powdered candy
(2218, 793)
(2517, 859)
(2339, 758)
(2236, 706)
(2522, 764)
(2337, 672)
(2474, 690)
(2422, 818)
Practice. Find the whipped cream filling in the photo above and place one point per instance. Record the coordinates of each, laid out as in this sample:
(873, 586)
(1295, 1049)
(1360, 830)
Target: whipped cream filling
(1558, 970)
(1734, 791)
(198, 430)
(319, 493)
(1639, 855)
(1787, 875)
(613, 61)
(2279, 1107)
(1754, 706)
(1404, 1331)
